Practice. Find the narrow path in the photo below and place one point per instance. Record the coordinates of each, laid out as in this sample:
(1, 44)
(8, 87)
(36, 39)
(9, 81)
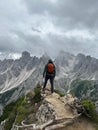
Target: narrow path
(59, 107)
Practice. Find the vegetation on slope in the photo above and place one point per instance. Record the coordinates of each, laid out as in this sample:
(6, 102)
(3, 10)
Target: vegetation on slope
(90, 110)
(22, 109)
(59, 92)
(85, 89)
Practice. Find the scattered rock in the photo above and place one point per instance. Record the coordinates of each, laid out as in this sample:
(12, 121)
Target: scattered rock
(45, 113)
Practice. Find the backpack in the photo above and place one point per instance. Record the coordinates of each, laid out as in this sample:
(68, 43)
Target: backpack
(50, 67)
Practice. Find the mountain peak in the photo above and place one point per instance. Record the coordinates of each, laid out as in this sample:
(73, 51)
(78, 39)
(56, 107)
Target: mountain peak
(25, 54)
(80, 55)
(45, 55)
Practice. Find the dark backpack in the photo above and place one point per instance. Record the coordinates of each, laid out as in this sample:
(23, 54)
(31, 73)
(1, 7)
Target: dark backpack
(50, 68)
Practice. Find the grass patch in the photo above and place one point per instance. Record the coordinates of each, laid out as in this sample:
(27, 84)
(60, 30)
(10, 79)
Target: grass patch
(90, 109)
(96, 127)
(59, 92)
(37, 91)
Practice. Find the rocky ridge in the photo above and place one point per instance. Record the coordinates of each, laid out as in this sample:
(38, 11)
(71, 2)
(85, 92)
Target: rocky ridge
(58, 113)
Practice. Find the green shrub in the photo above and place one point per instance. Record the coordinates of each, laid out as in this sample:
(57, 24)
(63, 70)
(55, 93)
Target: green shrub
(22, 110)
(7, 110)
(37, 91)
(59, 92)
(90, 109)
(19, 110)
(10, 112)
(96, 127)
(19, 119)
(10, 121)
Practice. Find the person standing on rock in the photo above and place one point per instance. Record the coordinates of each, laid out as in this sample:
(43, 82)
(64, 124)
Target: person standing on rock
(49, 74)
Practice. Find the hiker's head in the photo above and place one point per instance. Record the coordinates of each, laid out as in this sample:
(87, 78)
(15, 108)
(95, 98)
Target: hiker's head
(50, 61)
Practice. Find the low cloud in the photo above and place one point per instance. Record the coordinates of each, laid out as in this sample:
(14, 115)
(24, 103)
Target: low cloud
(49, 26)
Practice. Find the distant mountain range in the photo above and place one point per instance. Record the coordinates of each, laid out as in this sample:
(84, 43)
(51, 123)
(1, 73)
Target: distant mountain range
(21, 75)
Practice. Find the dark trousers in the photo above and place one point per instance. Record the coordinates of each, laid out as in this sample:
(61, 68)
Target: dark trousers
(51, 78)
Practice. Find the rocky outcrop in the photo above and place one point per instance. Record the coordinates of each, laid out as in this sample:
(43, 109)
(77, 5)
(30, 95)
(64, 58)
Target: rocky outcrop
(55, 113)
(45, 113)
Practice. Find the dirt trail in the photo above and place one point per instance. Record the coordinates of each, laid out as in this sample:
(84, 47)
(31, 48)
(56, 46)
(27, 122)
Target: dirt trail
(63, 111)
(59, 107)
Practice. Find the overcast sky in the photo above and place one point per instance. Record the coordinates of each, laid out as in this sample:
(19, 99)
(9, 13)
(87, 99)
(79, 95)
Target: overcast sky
(40, 26)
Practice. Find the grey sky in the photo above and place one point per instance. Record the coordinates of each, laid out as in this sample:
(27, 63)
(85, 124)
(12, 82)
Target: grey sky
(49, 26)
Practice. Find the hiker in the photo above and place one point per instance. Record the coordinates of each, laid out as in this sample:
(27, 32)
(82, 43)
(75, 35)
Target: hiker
(49, 74)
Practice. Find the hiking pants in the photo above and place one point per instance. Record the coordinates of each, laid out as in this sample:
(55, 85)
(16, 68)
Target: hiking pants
(51, 78)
